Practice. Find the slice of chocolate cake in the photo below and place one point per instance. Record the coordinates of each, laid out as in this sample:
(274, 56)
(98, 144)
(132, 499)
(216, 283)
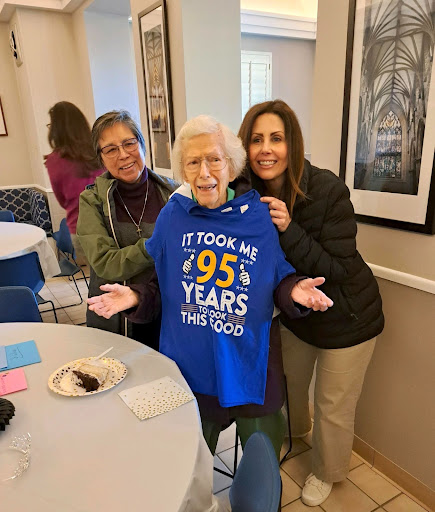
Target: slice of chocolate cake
(89, 376)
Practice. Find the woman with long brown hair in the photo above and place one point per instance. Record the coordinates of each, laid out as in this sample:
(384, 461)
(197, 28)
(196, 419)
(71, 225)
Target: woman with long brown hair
(312, 211)
(73, 163)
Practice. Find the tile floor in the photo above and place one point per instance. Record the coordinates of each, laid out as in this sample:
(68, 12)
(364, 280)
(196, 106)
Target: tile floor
(365, 489)
(63, 293)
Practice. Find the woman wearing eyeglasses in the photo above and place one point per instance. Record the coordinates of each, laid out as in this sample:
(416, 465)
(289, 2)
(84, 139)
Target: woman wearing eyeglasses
(72, 165)
(117, 215)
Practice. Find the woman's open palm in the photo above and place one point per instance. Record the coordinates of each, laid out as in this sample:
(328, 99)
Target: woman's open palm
(118, 298)
(305, 293)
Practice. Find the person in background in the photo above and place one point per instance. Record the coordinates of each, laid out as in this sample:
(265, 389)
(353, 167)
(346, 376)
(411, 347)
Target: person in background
(117, 215)
(312, 211)
(220, 267)
(73, 163)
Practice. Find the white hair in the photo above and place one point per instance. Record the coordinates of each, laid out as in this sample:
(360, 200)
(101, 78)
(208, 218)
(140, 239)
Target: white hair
(200, 125)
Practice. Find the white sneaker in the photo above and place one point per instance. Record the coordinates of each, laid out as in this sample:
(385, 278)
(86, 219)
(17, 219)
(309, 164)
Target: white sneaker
(315, 491)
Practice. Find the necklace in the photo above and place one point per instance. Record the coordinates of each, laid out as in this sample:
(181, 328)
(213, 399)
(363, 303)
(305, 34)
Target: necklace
(138, 230)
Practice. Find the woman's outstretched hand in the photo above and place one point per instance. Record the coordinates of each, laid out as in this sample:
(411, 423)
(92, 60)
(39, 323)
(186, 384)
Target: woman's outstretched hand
(306, 294)
(118, 298)
(278, 211)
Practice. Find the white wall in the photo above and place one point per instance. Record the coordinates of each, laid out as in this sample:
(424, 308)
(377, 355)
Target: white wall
(292, 74)
(112, 64)
(15, 168)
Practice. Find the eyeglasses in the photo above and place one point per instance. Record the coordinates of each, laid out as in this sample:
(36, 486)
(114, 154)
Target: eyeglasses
(213, 162)
(112, 151)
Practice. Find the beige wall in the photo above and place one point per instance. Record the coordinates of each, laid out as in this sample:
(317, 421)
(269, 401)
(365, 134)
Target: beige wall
(396, 414)
(50, 73)
(304, 8)
(15, 168)
(55, 68)
(82, 54)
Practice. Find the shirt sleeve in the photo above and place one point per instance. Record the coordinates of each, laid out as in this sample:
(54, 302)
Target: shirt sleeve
(150, 304)
(283, 300)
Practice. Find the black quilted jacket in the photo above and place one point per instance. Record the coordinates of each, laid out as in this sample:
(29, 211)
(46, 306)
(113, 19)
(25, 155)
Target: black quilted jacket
(320, 241)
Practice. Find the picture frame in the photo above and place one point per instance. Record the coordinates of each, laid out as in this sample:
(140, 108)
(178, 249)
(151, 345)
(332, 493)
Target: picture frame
(3, 128)
(157, 81)
(388, 134)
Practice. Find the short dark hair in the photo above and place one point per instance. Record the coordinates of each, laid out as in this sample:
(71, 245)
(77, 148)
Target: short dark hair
(69, 134)
(295, 144)
(108, 120)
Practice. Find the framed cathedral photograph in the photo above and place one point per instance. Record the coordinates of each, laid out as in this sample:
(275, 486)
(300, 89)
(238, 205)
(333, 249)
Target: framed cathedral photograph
(388, 134)
(157, 80)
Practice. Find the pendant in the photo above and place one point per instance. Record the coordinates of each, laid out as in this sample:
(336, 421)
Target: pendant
(139, 232)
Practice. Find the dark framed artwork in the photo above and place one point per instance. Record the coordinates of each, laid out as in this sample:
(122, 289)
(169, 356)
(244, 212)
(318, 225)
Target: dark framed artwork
(388, 135)
(157, 80)
(3, 129)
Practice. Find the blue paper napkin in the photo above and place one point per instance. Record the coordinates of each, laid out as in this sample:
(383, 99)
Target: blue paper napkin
(3, 360)
(22, 354)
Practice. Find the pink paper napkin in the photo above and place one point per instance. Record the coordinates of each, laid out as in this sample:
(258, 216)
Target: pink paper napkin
(11, 381)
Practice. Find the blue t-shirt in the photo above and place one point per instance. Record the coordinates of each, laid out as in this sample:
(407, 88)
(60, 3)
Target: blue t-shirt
(217, 271)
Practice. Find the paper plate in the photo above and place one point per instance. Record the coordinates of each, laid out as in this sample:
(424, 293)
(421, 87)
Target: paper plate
(61, 381)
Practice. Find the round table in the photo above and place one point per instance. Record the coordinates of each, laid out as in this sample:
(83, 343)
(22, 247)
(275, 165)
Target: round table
(91, 453)
(18, 239)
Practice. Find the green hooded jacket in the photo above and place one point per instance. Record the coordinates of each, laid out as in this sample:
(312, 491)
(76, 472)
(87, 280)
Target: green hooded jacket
(98, 232)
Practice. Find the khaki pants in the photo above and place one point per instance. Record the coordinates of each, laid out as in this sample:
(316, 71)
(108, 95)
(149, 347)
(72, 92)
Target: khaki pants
(339, 379)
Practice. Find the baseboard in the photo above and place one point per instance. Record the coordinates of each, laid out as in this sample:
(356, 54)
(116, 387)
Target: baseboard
(417, 490)
(399, 477)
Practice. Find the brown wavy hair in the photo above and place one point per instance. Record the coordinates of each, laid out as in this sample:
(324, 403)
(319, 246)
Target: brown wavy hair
(69, 134)
(295, 145)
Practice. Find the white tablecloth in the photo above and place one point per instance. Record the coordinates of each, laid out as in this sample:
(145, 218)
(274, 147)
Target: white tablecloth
(92, 453)
(17, 239)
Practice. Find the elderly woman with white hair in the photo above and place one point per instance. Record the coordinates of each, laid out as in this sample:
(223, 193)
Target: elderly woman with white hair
(220, 266)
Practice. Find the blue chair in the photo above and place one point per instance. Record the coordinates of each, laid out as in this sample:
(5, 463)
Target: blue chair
(257, 483)
(18, 304)
(68, 265)
(6, 216)
(25, 270)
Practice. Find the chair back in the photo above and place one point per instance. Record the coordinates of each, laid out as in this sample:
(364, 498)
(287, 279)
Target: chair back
(6, 216)
(22, 270)
(257, 483)
(18, 304)
(63, 239)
